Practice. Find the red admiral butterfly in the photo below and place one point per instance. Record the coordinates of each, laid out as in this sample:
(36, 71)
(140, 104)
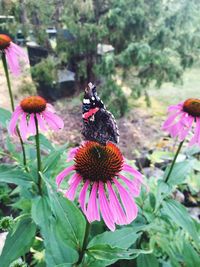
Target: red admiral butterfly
(98, 124)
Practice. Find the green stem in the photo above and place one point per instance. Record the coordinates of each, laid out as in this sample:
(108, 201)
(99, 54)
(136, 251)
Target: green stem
(5, 66)
(173, 162)
(85, 242)
(39, 163)
(8, 80)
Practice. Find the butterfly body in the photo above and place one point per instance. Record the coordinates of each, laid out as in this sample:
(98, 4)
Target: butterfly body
(98, 124)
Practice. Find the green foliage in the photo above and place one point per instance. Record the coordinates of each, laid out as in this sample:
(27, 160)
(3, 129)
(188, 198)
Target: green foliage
(117, 101)
(45, 72)
(18, 241)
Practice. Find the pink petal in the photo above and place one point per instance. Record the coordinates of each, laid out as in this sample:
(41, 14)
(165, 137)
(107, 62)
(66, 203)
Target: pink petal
(82, 196)
(54, 121)
(70, 194)
(196, 136)
(187, 127)
(19, 52)
(134, 172)
(92, 208)
(63, 174)
(71, 180)
(31, 125)
(176, 107)
(106, 212)
(170, 120)
(50, 108)
(119, 215)
(13, 62)
(41, 122)
(23, 127)
(72, 152)
(133, 186)
(13, 122)
(128, 203)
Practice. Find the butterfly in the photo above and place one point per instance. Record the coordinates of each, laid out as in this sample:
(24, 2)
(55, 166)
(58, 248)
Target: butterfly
(98, 123)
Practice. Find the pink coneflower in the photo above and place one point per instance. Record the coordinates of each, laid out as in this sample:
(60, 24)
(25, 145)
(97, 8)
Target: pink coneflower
(184, 117)
(14, 54)
(31, 109)
(99, 171)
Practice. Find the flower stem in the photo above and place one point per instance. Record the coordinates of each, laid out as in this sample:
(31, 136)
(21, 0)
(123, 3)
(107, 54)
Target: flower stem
(39, 163)
(5, 66)
(173, 162)
(85, 242)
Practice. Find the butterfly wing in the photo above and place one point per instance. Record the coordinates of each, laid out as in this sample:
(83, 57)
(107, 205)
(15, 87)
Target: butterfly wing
(98, 124)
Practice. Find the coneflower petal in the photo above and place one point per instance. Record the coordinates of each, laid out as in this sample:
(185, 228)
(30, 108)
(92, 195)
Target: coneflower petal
(70, 193)
(133, 186)
(106, 212)
(23, 127)
(63, 174)
(128, 203)
(82, 196)
(31, 125)
(13, 122)
(92, 207)
(119, 215)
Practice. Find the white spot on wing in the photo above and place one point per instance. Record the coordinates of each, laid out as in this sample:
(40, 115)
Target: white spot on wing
(86, 101)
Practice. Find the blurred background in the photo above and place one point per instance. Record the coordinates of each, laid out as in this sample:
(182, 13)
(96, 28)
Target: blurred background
(143, 55)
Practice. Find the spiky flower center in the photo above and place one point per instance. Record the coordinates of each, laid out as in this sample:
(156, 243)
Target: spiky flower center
(4, 41)
(192, 107)
(97, 162)
(33, 104)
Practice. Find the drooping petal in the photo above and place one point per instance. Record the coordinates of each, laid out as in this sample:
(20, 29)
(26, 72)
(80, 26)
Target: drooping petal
(133, 186)
(13, 62)
(71, 180)
(134, 172)
(19, 52)
(128, 203)
(196, 137)
(92, 208)
(13, 122)
(63, 174)
(119, 215)
(50, 108)
(70, 193)
(54, 121)
(72, 153)
(170, 120)
(176, 107)
(82, 196)
(106, 212)
(31, 125)
(23, 127)
(41, 122)
(187, 127)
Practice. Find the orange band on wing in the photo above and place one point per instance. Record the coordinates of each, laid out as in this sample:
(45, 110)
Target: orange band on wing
(90, 113)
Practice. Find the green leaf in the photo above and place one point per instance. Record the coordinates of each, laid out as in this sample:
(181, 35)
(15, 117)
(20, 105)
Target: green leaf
(56, 250)
(71, 222)
(51, 161)
(110, 254)
(122, 238)
(190, 256)
(5, 116)
(16, 176)
(18, 241)
(179, 172)
(163, 190)
(181, 217)
(148, 260)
